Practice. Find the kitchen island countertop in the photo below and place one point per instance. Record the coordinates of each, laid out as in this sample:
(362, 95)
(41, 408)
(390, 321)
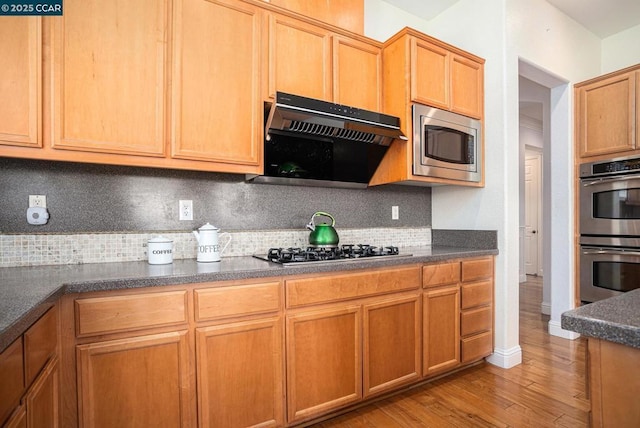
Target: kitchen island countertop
(27, 292)
(616, 319)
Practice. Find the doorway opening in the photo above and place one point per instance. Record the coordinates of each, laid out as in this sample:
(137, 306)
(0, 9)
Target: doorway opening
(548, 96)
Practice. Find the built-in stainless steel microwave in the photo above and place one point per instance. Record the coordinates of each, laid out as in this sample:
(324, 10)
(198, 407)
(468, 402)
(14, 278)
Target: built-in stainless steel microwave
(446, 144)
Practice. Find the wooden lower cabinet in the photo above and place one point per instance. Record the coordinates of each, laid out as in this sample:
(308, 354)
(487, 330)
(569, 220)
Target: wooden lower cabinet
(441, 329)
(614, 383)
(18, 419)
(275, 352)
(30, 376)
(392, 344)
(324, 360)
(12, 375)
(136, 381)
(43, 398)
(240, 374)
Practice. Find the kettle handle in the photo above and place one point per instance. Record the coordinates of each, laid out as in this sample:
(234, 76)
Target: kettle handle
(333, 220)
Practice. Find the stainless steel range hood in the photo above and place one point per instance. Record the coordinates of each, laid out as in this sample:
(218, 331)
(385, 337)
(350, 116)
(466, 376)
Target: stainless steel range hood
(317, 143)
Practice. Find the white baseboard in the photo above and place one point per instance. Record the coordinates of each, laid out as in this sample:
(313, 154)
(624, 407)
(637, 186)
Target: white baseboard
(545, 308)
(556, 330)
(506, 358)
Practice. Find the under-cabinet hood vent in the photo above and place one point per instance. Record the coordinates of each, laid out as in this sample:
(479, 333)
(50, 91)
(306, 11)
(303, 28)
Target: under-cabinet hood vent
(328, 131)
(318, 143)
(307, 116)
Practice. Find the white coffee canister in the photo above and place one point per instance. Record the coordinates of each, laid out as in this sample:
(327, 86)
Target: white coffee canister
(208, 246)
(160, 251)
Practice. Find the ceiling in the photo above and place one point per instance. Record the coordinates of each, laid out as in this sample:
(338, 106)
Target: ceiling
(601, 17)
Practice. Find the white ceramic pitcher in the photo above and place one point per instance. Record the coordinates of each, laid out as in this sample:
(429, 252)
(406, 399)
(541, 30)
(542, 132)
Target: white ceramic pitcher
(208, 246)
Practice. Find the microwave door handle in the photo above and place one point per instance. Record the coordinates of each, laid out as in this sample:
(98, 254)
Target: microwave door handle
(611, 252)
(609, 180)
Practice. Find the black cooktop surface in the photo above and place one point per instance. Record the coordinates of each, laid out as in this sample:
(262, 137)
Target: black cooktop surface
(328, 254)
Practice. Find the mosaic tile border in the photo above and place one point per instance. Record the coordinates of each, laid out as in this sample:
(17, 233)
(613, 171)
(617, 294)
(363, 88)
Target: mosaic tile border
(36, 250)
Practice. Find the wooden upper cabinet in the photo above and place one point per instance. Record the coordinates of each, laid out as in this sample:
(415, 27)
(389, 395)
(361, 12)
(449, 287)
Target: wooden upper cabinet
(419, 69)
(109, 89)
(217, 105)
(299, 58)
(21, 81)
(429, 74)
(467, 83)
(357, 73)
(607, 115)
(443, 79)
(424, 70)
(347, 14)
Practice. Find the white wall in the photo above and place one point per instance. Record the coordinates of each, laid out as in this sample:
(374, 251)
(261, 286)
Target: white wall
(621, 50)
(381, 20)
(504, 32)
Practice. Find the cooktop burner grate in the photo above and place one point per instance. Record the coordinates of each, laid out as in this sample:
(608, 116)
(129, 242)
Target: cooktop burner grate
(346, 252)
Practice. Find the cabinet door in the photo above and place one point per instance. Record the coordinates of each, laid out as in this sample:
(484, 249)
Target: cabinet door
(21, 81)
(441, 330)
(42, 400)
(606, 116)
(138, 381)
(109, 90)
(357, 76)
(299, 58)
(240, 374)
(324, 361)
(392, 345)
(18, 419)
(429, 74)
(40, 344)
(12, 375)
(217, 106)
(467, 83)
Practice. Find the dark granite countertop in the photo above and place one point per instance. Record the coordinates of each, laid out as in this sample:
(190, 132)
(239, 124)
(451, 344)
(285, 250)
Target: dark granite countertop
(27, 292)
(616, 319)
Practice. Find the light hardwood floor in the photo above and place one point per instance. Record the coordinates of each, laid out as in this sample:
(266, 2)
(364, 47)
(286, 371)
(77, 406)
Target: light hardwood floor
(546, 390)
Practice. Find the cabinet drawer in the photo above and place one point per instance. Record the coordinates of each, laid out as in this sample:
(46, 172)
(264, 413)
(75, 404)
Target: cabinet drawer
(331, 288)
(11, 373)
(224, 302)
(476, 320)
(440, 274)
(477, 269)
(476, 347)
(476, 294)
(101, 315)
(40, 343)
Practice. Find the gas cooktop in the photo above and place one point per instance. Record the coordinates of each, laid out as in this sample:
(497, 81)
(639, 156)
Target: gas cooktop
(343, 253)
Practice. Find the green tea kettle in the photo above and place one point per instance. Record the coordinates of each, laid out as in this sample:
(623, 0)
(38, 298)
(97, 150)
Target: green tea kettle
(322, 235)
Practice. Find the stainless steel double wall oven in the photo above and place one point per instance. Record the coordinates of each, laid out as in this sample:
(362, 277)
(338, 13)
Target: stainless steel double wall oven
(609, 228)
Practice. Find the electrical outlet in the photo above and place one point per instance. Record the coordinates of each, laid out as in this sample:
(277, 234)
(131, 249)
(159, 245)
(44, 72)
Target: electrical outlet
(395, 212)
(37, 201)
(186, 209)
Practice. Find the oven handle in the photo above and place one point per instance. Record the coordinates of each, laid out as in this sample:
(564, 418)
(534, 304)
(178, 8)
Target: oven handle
(593, 182)
(612, 252)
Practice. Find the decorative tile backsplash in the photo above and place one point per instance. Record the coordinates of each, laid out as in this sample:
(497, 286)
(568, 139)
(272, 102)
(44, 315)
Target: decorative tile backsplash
(55, 249)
